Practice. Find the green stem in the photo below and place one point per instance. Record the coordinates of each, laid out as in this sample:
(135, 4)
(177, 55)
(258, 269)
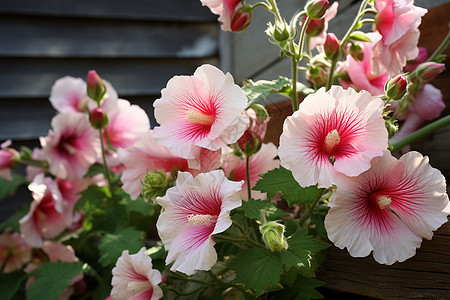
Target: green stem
(35, 163)
(244, 240)
(311, 208)
(294, 97)
(424, 131)
(441, 47)
(274, 9)
(247, 171)
(185, 278)
(331, 72)
(108, 177)
(260, 4)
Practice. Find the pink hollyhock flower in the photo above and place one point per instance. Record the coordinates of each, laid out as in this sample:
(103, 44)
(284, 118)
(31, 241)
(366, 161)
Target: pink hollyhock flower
(361, 73)
(69, 94)
(388, 209)
(319, 40)
(194, 210)
(421, 58)
(7, 160)
(127, 123)
(134, 278)
(71, 193)
(398, 22)
(200, 111)
(32, 171)
(225, 9)
(146, 156)
(14, 252)
(333, 132)
(71, 147)
(261, 162)
(45, 218)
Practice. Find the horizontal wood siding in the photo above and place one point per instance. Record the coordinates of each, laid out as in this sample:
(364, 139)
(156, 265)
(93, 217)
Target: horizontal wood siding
(136, 45)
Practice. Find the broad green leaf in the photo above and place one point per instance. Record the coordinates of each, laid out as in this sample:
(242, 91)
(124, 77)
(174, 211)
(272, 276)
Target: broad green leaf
(280, 180)
(52, 279)
(9, 187)
(261, 89)
(94, 196)
(112, 245)
(257, 269)
(306, 288)
(95, 169)
(10, 283)
(253, 207)
(140, 205)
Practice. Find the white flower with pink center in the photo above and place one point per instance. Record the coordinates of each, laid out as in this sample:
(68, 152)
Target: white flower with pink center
(259, 163)
(333, 132)
(45, 218)
(135, 279)
(398, 22)
(200, 111)
(71, 147)
(388, 209)
(146, 156)
(127, 123)
(14, 252)
(194, 210)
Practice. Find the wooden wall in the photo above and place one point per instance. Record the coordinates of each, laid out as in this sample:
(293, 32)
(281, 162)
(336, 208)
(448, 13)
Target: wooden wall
(137, 45)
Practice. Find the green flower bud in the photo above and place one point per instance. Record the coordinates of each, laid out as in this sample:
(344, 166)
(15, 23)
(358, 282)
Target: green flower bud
(95, 88)
(273, 236)
(156, 184)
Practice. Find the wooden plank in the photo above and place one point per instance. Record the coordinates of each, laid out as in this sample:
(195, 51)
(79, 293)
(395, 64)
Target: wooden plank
(173, 10)
(425, 276)
(62, 37)
(34, 77)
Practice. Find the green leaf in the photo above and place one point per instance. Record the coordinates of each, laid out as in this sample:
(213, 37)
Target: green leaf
(95, 169)
(359, 36)
(140, 205)
(253, 207)
(280, 180)
(261, 89)
(307, 288)
(257, 269)
(10, 283)
(92, 197)
(9, 187)
(112, 245)
(52, 279)
(301, 247)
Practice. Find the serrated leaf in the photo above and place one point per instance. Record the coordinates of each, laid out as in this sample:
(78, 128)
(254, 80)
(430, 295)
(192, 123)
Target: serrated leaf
(95, 169)
(253, 207)
(10, 283)
(112, 245)
(280, 180)
(359, 36)
(307, 288)
(261, 89)
(301, 247)
(257, 269)
(52, 279)
(9, 187)
(140, 205)
(93, 196)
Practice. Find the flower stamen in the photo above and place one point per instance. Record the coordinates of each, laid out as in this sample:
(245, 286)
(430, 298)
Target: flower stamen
(198, 219)
(383, 201)
(136, 286)
(331, 141)
(195, 116)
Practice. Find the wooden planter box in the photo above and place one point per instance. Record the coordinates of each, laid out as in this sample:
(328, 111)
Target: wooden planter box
(427, 274)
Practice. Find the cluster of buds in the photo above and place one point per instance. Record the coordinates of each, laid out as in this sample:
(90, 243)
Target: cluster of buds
(318, 70)
(156, 184)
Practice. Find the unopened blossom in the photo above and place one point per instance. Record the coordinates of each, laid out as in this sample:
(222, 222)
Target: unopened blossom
(388, 209)
(361, 73)
(318, 40)
(200, 111)
(14, 252)
(333, 132)
(193, 211)
(7, 156)
(134, 278)
(398, 23)
(225, 9)
(71, 146)
(259, 163)
(146, 156)
(45, 218)
(127, 123)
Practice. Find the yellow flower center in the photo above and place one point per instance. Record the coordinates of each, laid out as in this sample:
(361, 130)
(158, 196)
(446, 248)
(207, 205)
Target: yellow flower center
(135, 286)
(331, 141)
(205, 220)
(383, 201)
(195, 116)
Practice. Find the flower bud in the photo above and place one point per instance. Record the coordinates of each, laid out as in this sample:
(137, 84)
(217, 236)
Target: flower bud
(317, 71)
(316, 8)
(331, 46)
(95, 87)
(356, 52)
(250, 142)
(98, 118)
(260, 113)
(241, 19)
(155, 184)
(396, 87)
(315, 27)
(428, 70)
(273, 236)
